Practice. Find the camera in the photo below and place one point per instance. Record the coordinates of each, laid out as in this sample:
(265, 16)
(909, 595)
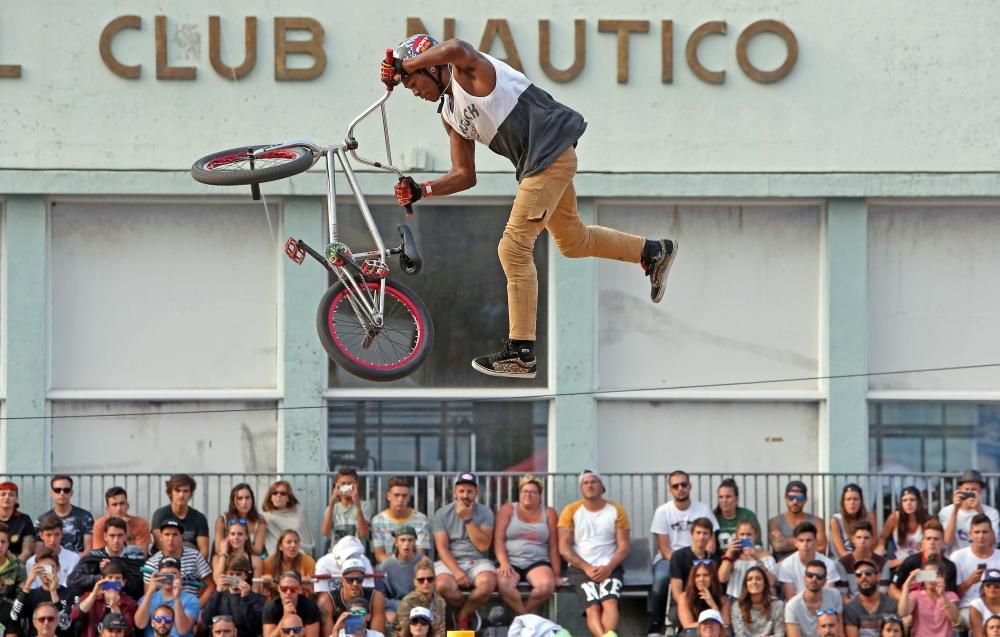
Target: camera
(965, 495)
(47, 569)
(231, 581)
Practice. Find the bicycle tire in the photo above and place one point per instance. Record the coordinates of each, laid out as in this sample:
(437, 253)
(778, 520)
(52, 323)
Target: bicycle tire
(232, 167)
(396, 352)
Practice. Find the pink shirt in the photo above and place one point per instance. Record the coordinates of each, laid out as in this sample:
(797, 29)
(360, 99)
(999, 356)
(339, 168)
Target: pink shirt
(929, 618)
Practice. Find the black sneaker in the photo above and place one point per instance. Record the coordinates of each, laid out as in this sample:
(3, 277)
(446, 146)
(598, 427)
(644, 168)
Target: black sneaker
(658, 268)
(507, 362)
(655, 630)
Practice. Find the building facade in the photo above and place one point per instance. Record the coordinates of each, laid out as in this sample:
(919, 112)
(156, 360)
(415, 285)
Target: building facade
(831, 172)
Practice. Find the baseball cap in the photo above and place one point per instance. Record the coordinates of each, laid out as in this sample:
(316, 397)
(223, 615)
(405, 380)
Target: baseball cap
(172, 524)
(991, 575)
(170, 562)
(796, 485)
(351, 565)
(113, 620)
(419, 612)
(589, 472)
(870, 563)
(971, 475)
(406, 529)
(710, 615)
(467, 478)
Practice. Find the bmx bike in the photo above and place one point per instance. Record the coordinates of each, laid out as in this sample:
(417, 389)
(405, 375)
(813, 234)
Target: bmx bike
(372, 326)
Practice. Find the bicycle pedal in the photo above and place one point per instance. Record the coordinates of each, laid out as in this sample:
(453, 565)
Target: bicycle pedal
(295, 251)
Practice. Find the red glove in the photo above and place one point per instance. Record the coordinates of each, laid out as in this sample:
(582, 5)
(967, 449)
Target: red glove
(388, 71)
(408, 191)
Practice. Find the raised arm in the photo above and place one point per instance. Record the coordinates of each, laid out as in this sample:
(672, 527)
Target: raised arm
(473, 71)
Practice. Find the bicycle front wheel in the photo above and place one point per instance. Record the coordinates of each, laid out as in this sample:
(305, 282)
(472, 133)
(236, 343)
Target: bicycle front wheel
(391, 352)
(233, 167)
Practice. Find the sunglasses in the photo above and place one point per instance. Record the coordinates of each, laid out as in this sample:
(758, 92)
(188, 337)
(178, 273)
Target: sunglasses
(864, 571)
(359, 611)
(680, 485)
(424, 580)
(815, 575)
(292, 630)
(354, 580)
(285, 493)
(705, 562)
(826, 611)
(222, 618)
(419, 621)
(242, 521)
(795, 498)
(62, 489)
(44, 619)
(289, 589)
(163, 619)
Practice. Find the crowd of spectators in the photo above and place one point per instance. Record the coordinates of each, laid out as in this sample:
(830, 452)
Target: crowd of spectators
(400, 572)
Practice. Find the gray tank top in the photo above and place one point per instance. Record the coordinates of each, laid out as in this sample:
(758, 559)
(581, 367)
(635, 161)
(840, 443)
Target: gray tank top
(527, 543)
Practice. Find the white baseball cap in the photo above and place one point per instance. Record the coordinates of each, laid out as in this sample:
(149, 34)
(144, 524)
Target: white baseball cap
(352, 564)
(710, 615)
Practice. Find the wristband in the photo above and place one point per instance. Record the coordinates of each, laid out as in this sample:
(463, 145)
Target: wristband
(468, 521)
(728, 558)
(427, 189)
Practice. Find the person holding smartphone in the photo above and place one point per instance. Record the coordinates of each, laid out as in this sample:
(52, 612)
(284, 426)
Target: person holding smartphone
(107, 596)
(935, 610)
(971, 562)
(235, 597)
(346, 513)
(354, 621)
(165, 587)
(966, 503)
(742, 554)
(44, 570)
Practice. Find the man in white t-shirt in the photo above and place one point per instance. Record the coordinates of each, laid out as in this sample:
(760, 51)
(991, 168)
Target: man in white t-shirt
(972, 561)
(671, 528)
(594, 541)
(792, 569)
(966, 503)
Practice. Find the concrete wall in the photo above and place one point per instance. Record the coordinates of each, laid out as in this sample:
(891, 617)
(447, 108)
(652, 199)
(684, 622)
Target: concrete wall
(875, 87)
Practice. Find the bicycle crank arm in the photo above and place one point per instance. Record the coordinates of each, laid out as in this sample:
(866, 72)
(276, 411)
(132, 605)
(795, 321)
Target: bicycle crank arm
(297, 249)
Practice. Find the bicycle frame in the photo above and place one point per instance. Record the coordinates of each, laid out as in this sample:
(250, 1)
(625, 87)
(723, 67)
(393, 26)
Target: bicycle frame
(369, 306)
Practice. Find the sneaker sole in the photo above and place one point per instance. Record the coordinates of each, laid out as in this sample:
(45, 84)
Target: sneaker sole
(490, 372)
(660, 272)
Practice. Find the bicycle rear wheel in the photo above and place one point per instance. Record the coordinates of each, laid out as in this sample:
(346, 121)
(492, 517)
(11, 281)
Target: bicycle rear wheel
(232, 167)
(392, 352)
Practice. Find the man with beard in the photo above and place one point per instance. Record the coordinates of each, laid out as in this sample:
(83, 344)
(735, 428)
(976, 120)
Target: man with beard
(594, 541)
(162, 622)
(802, 612)
(780, 528)
(672, 528)
(166, 588)
(463, 533)
(863, 615)
(88, 571)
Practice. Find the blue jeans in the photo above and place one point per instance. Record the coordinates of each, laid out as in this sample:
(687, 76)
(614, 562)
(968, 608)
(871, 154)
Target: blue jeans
(657, 602)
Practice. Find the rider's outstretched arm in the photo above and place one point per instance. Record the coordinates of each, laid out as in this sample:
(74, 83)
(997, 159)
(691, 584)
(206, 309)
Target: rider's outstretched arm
(462, 175)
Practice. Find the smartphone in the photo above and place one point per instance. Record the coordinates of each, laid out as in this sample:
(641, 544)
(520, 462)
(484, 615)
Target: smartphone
(111, 586)
(981, 566)
(168, 578)
(47, 569)
(346, 488)
(746, 544)
(354, 624)
(927, 576)
(965, 495)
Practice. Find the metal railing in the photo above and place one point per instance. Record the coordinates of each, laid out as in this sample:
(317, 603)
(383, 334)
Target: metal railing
(639, 493)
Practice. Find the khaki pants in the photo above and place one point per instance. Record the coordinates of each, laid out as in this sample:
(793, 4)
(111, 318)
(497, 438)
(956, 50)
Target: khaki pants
(547, 200)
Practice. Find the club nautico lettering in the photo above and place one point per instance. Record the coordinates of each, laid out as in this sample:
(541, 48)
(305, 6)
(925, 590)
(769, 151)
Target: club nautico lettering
(303, 40)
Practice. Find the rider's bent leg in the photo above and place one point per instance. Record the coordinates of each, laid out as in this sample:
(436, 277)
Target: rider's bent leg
(575, 240)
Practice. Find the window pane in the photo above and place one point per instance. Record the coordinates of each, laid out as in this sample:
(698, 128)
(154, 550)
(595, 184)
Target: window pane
(503, 436)
(461, 282)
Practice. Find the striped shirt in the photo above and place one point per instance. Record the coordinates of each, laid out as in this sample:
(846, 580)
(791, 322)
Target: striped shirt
(193, 568)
